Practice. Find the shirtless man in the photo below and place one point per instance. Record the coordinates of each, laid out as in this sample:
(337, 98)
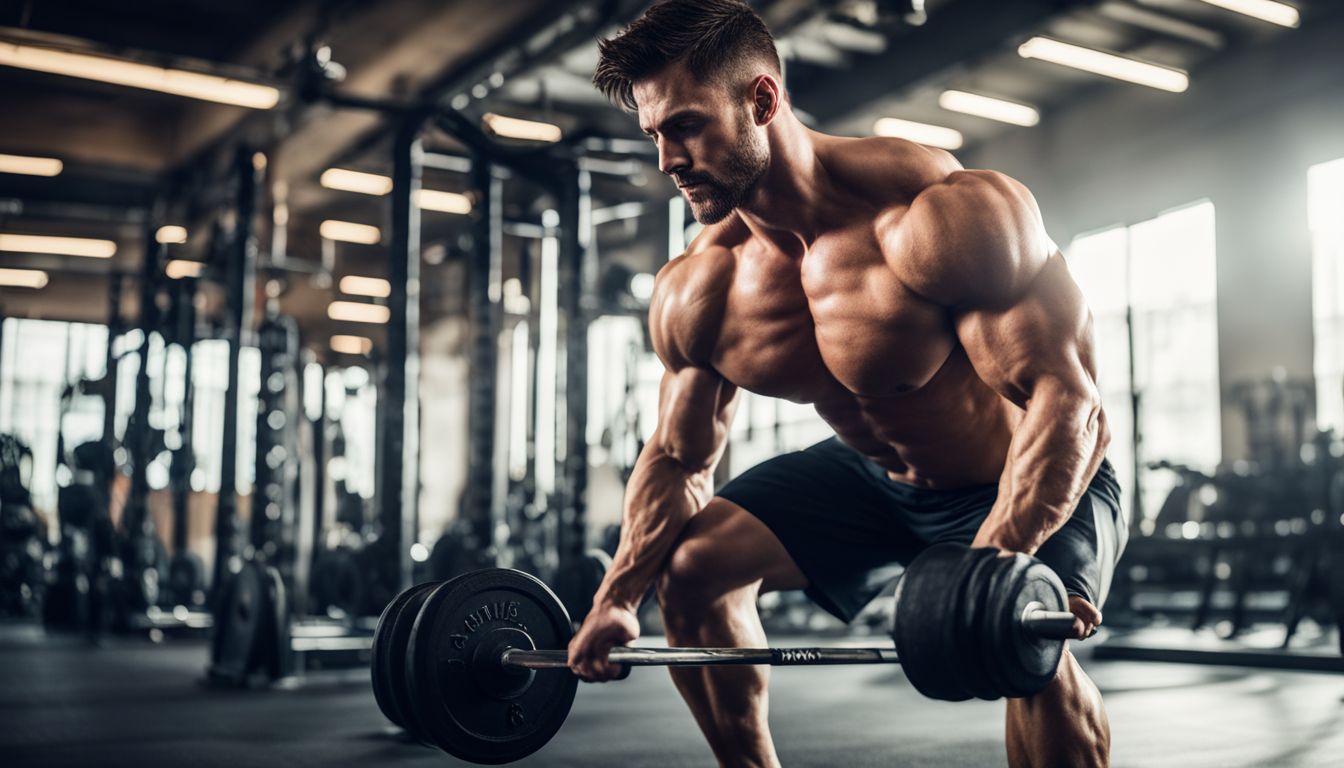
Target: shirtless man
(924, 312)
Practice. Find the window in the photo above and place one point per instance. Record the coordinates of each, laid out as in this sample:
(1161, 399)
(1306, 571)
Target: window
(1325, 216)
(1155, 282)
(39, 357)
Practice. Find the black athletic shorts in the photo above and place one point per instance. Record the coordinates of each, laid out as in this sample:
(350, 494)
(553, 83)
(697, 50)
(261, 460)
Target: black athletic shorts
(846, 524)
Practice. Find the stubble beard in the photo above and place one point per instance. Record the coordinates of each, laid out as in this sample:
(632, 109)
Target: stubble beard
(745, 167)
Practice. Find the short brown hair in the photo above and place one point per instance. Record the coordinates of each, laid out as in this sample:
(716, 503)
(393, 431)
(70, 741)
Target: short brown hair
(715, 38)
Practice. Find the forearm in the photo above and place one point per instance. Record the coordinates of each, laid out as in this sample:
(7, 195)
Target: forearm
(661, 497)
(1054, 453)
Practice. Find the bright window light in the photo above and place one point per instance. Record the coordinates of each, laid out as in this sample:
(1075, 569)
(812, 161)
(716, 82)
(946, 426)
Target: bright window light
(171, 233)
(350, 232)
(356, 285)
(358, 312)
(351, 345)
(135, 75)
(989, 108)
(63, 246)
(30, 166)
(443, 202)
(23, 278)
(1266, 10)
(180, 268)
(362, 183)
(923, 133)
(1105, 64)
(515, 128)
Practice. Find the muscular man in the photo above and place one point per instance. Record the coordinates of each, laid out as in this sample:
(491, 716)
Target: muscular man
(924, 312)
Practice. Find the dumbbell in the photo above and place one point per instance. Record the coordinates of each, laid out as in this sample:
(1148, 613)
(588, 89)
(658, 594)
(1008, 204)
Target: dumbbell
(468, 664)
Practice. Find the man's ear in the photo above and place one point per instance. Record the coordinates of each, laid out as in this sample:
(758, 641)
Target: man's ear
(766, 97)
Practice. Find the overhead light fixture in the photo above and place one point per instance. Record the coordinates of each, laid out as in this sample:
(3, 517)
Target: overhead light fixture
(356, 285)
(30, 166)
(132, 74)
(1265, 10)
(346, 180)
(443, 202)
(923, 133)
(1105, 64)
(358, 312)
(351, 345)
(350, 232)
(61, 246)
(171, 233)
(23, 278)
(515, 128)
(989, 108)
(180, 268)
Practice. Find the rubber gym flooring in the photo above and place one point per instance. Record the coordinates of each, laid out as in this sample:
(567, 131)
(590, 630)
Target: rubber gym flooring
(131, 703)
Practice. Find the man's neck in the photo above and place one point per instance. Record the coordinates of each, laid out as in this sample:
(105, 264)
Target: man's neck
(790, 194)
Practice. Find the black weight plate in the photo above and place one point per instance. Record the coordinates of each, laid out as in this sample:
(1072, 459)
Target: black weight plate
(924, 617)
(378, 676)
(246, 612)
(993, 649)
(1028, 662)
(975, 597)
(389, 656)
(470, 707)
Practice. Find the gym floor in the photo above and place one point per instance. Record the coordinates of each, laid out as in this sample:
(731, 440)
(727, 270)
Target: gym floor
(128, 703)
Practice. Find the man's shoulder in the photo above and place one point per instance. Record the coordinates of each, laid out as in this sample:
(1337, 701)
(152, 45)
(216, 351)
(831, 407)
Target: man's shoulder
(889, 170)
(690, 296)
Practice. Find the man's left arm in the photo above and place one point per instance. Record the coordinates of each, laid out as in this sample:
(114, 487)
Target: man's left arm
(979, 247)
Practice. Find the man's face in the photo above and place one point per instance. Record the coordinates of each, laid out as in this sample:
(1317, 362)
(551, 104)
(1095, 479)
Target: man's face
(707, 140)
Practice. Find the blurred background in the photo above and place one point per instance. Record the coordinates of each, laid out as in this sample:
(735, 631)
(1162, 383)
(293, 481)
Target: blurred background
(308, 301)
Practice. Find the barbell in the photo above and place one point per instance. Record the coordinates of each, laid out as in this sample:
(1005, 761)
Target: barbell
(467, 665)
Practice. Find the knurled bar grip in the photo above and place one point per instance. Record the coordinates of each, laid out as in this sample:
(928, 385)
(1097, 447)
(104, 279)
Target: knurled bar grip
(1053, 624)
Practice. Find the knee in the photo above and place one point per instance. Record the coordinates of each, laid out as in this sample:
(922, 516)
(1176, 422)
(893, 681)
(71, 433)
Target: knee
(686, 587)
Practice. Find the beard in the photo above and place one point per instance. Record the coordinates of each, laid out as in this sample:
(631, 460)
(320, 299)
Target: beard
(719, 197)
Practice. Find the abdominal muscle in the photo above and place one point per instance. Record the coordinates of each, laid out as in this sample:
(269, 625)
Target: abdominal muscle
(953, 432)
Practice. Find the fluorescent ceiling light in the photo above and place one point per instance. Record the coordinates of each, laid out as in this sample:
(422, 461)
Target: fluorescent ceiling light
(171, 233)
(355, 285)
(923, 133)
(358, 312)
(63, 246)
(989, 108)
(180, 268)
(347, 180)
(514, 128)
(375, 184)
(351, 345)
(30, 166)
(1106, 64)
(350, 232)
(1266, 10)
(23, 278)
(132, 74)
(443, 202)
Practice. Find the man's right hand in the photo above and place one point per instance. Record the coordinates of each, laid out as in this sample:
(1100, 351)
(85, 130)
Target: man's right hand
(606, 627)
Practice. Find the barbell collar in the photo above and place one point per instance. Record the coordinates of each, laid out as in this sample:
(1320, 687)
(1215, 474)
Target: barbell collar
(1057, 625)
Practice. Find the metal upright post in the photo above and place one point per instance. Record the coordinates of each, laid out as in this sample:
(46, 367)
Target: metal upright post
(576, 271)
(398, 489)
(241, 269)
(184, 458)
(110, 369)
(484, 320)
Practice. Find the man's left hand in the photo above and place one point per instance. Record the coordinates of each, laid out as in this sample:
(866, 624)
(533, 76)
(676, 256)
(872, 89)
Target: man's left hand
(1086, 617)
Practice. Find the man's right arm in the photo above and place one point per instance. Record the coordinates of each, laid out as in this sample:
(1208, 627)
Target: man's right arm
(673, 478)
